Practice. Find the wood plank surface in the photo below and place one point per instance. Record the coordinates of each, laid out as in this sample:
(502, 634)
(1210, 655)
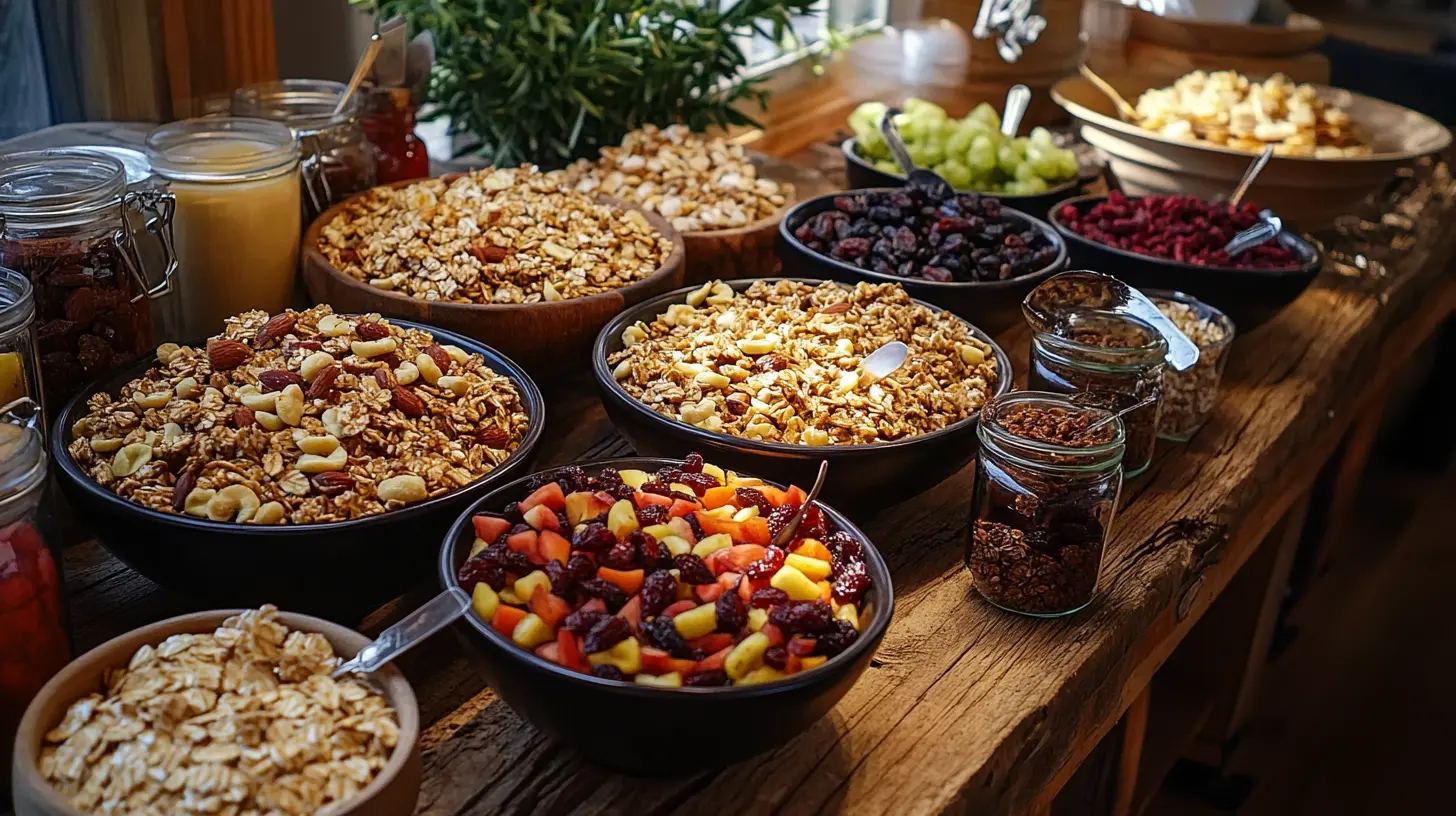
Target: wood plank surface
(965, 708)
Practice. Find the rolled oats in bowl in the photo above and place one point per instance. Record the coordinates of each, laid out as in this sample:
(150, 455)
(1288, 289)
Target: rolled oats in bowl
(243, 719)
(1189, 396)
(698, 183)
(301, 418)
(781, 362)
(492, 236)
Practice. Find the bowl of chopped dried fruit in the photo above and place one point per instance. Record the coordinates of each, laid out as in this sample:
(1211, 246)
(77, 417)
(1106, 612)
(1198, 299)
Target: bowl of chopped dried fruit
(129, 727)
(303, 444)
(624, 604)
(512, 258)
(966, 252)
(765, 376)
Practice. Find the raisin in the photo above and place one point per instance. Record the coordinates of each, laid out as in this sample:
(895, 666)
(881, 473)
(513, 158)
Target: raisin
(776, 656)
(802, 618)
(765, 567)
(712, 677)
(696, 527)
(850, 580)
(779, 519)
(649, 551)
(607, 671)
(669, 474)
(662, 633)
(838, 637)
(478, 570)
(730, 612)
(748, 497)
(609, 592)
(652, 514)
(693, 463)
(606, 633)
(692, 570)
(768, 597)
(658, 590)
(571, 478)
(582, 620)
(581, 568)
(851, 248)
(813, 525)
(593, 538)
(659, 488)
(622, 556)
(700, 482)
(562, 581)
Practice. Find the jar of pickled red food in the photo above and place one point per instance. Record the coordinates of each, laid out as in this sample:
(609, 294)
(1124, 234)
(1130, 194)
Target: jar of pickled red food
(34, 640)
(1047, 483)
(64, 226)
(336, 160)
(1114, 361)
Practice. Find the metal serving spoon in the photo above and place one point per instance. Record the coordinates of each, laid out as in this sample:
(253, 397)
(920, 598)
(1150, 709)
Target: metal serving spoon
(1045, 306)
(1269, 225)
(1099, 424)
(436, 614)
(1124, 109)
(1018, 99)
(787, 534)
(927, 180)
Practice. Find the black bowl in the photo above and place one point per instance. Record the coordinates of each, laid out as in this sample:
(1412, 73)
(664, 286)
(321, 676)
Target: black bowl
(861, 476)
(338, 568)
(650, 731)
(861, 174)
(1248, 296)
(992, 305)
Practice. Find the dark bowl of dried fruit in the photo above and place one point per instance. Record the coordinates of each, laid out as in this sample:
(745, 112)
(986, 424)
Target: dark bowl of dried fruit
(649, 617)
(863, 474)
(367, 559)
(969, 254)
(1157, 228)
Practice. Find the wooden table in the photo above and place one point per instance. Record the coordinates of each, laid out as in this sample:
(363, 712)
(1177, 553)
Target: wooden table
(965, 707)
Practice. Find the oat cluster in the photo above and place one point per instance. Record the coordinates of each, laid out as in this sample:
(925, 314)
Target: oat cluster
(492, 236)
(781, 362)
(242, 720)
(300, 418)
(697, 182)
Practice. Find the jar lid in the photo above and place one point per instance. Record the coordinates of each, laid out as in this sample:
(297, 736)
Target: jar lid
(17, 300)
(22, 448)
(306, 105)
(138, 169)
(221, 149)
(68, 182)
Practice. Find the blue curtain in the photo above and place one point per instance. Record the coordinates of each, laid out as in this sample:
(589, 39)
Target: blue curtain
(24, 96)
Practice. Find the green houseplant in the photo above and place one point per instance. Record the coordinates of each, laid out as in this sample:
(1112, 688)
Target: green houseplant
(550, 81)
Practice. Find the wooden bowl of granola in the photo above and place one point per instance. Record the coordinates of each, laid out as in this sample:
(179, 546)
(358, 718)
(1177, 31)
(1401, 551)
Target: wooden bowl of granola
(391, 790)
(545, 336)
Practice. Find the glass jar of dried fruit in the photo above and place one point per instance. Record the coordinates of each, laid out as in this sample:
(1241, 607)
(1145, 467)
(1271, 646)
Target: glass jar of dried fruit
(34, 641)
(1113, 361)
(1047, 483)
(63, 226)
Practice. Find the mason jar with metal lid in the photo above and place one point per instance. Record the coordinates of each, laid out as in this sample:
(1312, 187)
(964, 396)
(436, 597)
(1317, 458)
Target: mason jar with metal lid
(237, 231)
(337, 160)
(64, 226)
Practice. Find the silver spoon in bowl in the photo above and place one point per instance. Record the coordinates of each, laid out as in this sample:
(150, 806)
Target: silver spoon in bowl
(787, 534)
(437, 613)
(927, 180)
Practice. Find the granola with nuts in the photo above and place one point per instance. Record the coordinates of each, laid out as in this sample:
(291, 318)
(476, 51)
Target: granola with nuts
(301, 418)
(781, 362)
(492, 236)
(697, 182)
(242, 720)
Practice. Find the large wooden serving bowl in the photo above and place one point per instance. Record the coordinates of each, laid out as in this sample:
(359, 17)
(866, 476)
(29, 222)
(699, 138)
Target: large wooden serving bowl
(1304, 191)
(544, 337)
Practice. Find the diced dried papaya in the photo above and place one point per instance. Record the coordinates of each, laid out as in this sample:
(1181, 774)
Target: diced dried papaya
(629, 581)
(506, 617)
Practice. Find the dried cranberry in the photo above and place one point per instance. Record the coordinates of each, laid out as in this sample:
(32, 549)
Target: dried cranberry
(661, 489)
(622, 556)
(692, 570)
(593, 538)
(730, 612)
(765, 567)
(652, 514)
(663, 634)
(776, 656)
(768, 597)
(712, 677)
(700, 482)
(842, 544)
(667, 474)
(747, 496)
(813, 525)
(581, 568)
(835, 639)
(649, 550)
(850, 580)
(478, 570)
(582, 620)
(607, 671)
(658, 590)
(606, 633)
(693, 463)
(780, 518)
(562, 581)
(802, 618)
(610, 593)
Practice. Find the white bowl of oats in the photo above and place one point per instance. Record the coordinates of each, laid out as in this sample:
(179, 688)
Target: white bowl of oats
(232, 706)
(763, 375)
(303, 444)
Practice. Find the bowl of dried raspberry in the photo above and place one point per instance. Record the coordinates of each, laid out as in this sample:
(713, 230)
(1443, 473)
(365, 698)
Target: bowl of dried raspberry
(623, 604)
(1176, 242)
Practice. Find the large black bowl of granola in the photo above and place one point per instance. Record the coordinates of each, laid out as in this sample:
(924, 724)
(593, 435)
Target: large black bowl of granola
(292, 447)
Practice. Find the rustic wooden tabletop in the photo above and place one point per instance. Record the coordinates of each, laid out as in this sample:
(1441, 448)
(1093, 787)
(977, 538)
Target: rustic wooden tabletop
(965, 707)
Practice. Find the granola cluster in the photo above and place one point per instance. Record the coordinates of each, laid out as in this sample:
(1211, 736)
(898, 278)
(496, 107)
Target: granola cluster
(697, 182)
(243, 720)
(781, 362)
(492, 236)
(301, 418)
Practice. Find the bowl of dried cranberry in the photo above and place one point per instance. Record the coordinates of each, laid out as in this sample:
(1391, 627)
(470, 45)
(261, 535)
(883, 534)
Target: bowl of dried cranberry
(966, 253)
(654, 611)
(1175, 242)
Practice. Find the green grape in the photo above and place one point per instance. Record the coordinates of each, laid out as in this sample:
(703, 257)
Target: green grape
(926, 154)
(1008, 157)
(1066, 164)
(982, 156)
(1042, 136)
(986, 115)
(1042, 164)
(1026, 171)
(866, 120)
(872, 146)
(959, 142)
(1032, 186)
(956, 173)
(886, 166)
(921, 108)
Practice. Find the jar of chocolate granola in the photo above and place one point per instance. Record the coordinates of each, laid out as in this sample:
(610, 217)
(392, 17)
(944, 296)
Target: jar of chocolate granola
(63, 225)
(1047, 483)
(1113, 361)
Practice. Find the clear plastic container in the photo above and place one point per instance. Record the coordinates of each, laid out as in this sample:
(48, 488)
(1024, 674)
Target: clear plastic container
(64, 226)
(1189, 396)
(237, 226)
(1111, 361)
(1044, 503)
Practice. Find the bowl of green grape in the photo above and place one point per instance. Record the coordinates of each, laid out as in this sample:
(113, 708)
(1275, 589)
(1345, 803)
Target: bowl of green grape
(1028, 173)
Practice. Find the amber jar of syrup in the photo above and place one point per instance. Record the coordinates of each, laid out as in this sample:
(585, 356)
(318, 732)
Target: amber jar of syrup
(389, 123)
